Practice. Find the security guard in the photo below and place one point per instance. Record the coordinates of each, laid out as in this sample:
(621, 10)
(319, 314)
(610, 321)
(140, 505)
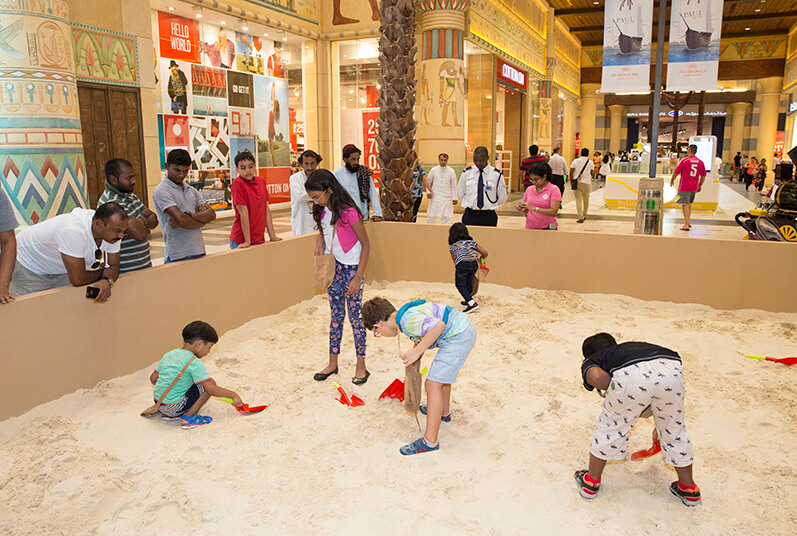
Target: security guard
(482, 190)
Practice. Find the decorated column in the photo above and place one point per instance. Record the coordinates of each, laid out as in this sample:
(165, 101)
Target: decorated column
(41, 146)
(543, 137)
(739, 111)
(617, 112)
(769, 96)
(589, 105)
(440, 92)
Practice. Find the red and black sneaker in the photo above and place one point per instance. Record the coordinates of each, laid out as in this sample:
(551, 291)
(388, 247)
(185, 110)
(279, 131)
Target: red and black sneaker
(588, 487)
(689, 495)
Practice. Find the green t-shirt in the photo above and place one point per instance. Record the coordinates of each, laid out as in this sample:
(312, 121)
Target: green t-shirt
(169, 367)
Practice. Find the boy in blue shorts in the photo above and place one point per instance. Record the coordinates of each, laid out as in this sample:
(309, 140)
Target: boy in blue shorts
(190, 392)
(428, 325)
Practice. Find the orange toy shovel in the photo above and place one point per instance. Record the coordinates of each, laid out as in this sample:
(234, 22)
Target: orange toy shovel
(782, 361)
(396, 389)
(642, 454)
(344, 398)
(244, 408)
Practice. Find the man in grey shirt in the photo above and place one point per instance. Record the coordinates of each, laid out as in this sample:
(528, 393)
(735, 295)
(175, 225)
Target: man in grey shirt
(8, 246)
(181, 210)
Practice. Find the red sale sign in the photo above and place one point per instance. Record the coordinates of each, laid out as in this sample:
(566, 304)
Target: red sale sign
(371, 149)
(178, 37)
(277, 183)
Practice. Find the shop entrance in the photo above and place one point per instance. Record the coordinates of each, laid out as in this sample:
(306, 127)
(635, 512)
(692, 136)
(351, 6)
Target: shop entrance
(509, 134)
(110, 117)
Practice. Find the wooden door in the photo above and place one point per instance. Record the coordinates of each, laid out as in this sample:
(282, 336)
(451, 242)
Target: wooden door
(111, 122)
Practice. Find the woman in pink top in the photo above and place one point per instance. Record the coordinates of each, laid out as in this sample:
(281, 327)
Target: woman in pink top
(542, 199)
(341, 233)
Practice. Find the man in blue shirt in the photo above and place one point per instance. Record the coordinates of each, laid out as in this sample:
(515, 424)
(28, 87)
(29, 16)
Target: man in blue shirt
(358, 184)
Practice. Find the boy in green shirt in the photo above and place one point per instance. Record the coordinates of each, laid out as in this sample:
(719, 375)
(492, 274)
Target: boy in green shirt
(195, 387)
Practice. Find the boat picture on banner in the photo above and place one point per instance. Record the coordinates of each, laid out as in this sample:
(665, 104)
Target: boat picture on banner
(694, 49)
(626, 45)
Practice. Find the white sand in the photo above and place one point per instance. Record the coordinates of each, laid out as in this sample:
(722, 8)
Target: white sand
(88, 464)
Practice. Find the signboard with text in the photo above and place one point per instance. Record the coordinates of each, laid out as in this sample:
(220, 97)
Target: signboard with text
(511, 75)
(178, 37)
(370, 147)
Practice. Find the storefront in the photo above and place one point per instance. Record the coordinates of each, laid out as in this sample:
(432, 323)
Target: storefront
(227, 85)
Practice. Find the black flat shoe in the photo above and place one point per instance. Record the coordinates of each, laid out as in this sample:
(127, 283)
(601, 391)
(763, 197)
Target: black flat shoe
(360, 381)
(320, 376)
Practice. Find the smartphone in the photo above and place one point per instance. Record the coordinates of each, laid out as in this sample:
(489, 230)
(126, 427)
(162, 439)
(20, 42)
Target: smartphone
(92, 292)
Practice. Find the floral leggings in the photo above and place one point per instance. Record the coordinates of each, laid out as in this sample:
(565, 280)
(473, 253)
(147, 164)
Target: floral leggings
(338, 302)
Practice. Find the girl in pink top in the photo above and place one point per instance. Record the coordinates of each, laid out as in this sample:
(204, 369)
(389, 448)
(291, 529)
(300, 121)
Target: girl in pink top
(341, 233)
(542, 199)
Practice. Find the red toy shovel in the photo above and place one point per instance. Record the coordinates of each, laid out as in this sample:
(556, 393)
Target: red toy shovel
(344, 398)
(782, 361)
(642, 454)
(244, 408)
(396, 389)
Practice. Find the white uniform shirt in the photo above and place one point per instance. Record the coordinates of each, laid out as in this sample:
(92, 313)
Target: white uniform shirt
(494, 188)
(715, 171)
(586, 175)
(558, 164)
(349, 182)
(40, 246)
(302, 221)
(444, 182)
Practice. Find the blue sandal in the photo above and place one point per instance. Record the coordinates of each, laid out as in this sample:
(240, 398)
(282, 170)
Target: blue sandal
(194, 421)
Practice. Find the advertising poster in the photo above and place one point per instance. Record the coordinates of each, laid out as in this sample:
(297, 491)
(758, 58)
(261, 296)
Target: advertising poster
(178, 37)
(370, 147)
(239, 145)
(240, 90)
(218, 47)
(277, 184)
(249, 54)
(627, 28)
(272, 121)
(209, 91)
(210, 142)
(175, 82)
(694, 50)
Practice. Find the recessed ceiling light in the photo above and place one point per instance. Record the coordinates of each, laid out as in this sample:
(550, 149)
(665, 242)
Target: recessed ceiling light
(246, 28)
(747, 29)
(171, 8)
(223, 22)
(284, 38)
(596, 3)
(757, 10)
(266, 34)
(199, 15)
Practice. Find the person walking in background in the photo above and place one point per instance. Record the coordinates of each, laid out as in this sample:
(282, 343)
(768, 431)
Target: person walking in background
(737, 166)
(419, 184)
(750, 169)
(442, 197)
(558, 170)
(482, 189)
(716, 168)
(181, 210)
(542, 200)
(692, 173)
(8, 246)
(526, 164)
(581, 183)
(604, 170)
(356, 180)
(342, 234)
(761, 175)
(250, 200)
(301, 206)
(120, 181)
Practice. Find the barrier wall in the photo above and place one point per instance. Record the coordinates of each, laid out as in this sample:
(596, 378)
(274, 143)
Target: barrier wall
(56, 342)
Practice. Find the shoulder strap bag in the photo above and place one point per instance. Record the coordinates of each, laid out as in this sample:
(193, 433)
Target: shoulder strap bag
(153, 409)
(574, 184)
(325, 265)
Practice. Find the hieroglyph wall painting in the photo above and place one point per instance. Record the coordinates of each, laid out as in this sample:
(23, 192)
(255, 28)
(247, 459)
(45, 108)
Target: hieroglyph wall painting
(105, 57)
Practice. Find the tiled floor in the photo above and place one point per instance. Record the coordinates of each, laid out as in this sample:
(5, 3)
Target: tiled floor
(719, 224)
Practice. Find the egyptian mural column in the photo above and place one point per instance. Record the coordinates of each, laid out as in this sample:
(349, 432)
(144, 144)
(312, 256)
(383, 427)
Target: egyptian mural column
(589, 111)
(739, 111)
(41, 145)
(617, 112)
(769, 95)
(543, 137)
(440, 92)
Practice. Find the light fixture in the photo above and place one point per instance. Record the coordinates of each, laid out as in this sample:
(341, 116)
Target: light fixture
(171, 8)
(747, 29)
(265, 34)
(351, 91)
(223, 22)
(379, 86)
(245, 28)
(199, 15)
(757, 10)
(284, 38)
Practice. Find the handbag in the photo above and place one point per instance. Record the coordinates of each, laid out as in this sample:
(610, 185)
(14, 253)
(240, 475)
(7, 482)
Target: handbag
(325, 265)
(574, 184)
(153, 409)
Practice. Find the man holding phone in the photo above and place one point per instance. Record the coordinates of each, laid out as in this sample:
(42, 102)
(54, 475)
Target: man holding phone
(78, 248)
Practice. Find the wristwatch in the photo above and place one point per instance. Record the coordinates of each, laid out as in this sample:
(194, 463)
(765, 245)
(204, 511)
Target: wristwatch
(109, 280)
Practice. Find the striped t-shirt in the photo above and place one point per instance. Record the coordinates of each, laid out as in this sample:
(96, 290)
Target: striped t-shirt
(464, 250)
(135, 253)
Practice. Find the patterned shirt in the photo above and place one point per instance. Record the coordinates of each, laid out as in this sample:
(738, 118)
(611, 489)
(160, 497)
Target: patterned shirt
(417, 183)
(464, 250)
(135, 253)
(418, 320)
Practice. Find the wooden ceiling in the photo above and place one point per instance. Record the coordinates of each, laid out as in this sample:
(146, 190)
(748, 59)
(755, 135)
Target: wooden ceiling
(740, 18)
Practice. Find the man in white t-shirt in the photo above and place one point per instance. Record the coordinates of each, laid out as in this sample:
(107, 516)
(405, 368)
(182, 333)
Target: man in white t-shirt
(78, 248)
(302, 221)
(442, 198)
(558, 170)
(581, 181)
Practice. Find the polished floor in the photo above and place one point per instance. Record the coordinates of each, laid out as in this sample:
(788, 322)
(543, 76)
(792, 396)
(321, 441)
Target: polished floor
(716, 225)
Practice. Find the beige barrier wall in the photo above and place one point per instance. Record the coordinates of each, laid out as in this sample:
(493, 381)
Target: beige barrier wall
(682, 270)
(57, 341)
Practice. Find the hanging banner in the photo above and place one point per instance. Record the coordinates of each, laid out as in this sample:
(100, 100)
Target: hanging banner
(627, 26)
(694, 51)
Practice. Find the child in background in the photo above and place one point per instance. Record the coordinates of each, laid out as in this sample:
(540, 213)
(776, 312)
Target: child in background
(342, 233)
(635, 375)
(428, 325)
(250, 199)
(465, 253)
(195, 387)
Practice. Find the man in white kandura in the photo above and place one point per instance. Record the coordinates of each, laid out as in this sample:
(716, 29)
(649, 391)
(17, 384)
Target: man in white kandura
(442, 198)
(301, 206)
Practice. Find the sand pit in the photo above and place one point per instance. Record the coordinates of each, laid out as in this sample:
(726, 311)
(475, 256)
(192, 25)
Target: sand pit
(88, 464)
